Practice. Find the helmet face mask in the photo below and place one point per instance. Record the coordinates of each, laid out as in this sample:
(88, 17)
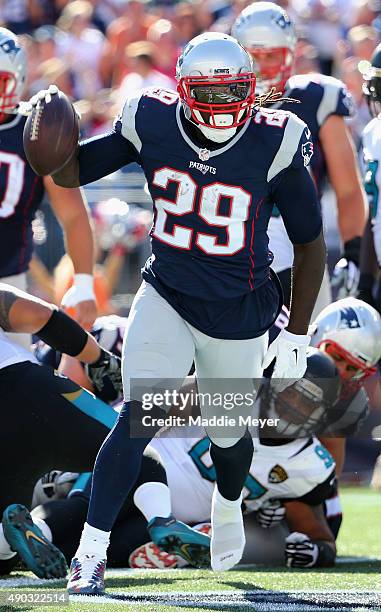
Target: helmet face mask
(8, 97)
(218, 102)
(350, 367)
(349, 331)
(216, 85)
(274, 67)
(372, 82)
(12, 71)
(307, 406)
(372, 91)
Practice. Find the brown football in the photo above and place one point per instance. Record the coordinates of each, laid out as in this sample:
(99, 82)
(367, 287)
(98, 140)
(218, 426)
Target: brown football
(51, 134)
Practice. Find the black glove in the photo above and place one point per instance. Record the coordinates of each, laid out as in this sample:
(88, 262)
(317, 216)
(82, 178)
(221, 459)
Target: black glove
(300, 551)
(106, 376)
(365, 290)
(271, 513)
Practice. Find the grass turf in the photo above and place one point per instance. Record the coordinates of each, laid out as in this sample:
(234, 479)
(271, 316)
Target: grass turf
(360, 536)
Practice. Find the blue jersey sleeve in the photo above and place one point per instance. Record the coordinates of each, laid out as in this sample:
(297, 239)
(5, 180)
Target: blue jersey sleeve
(295, 195)
(104, 154)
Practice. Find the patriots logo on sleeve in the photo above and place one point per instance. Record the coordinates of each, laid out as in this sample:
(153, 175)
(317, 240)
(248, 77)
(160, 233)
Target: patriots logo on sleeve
(307, 152)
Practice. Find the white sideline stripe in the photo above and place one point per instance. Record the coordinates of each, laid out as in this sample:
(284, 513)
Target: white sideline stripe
(34, 581)
(359, 601)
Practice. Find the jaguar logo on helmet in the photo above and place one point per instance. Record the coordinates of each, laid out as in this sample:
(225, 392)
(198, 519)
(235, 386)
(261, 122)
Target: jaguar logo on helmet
(277, 474)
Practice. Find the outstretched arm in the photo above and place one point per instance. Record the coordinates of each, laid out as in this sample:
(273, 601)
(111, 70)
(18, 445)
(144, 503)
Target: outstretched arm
(95, 158)
(21, 312)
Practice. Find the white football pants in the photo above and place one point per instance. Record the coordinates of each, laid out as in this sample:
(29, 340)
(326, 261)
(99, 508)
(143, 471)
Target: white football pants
(159, 345)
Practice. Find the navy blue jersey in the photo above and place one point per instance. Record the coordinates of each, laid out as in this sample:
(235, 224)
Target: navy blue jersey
(21, 192)
(210, 256)
(320, 97)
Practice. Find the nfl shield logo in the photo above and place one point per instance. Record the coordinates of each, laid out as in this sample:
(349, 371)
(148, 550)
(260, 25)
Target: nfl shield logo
(204, 154)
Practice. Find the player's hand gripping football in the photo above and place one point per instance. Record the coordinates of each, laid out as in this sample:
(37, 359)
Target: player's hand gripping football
(106, 376)
(271, 513)
(300, 551)
(290, 354)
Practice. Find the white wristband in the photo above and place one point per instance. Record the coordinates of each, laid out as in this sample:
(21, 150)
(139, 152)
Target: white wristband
(84, 281)
(85, 284)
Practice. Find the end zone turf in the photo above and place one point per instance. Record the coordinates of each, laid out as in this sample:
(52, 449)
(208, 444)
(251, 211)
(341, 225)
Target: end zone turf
(354, 585)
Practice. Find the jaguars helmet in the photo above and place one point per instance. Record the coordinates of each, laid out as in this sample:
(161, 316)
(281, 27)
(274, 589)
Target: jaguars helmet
(349, 330)
(372, 82)
(265, 30)
(303, 408)
(13, 66)
(216, 84)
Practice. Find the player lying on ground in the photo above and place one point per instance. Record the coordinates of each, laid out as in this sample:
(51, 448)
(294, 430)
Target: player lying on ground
(23, 192)
(266, 31)
(294, 468)
(203, 287)
(50, 420)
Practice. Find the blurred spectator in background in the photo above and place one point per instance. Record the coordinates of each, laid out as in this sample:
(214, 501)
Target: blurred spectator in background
(80, 47)
(353, 79)
(132, 26)
(362, 40)
(142, 73)
(162, 34)
(185, 22)
(323, 28)
(306, 58)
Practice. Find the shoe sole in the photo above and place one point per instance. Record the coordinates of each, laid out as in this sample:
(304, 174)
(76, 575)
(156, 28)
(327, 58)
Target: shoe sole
(197, 555)
(24, 537)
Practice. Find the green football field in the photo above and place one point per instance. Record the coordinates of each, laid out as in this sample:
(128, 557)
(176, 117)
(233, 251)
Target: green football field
(354, 585)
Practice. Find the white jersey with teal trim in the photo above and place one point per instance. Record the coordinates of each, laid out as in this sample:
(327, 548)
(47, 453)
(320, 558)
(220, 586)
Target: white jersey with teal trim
(371, 140)
(289, 471)
(11, 352)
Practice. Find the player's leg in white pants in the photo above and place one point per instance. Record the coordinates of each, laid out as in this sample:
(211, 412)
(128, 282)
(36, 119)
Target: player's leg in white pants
(18, 281)
(228, 368)
(157, 344)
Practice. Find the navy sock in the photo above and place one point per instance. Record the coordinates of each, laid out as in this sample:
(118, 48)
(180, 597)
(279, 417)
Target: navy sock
(116, 470)
(232, 466)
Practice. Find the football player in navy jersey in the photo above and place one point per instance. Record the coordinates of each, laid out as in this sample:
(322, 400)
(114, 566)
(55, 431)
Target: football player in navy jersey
(215, 165)
(265, 30)
(22, 192)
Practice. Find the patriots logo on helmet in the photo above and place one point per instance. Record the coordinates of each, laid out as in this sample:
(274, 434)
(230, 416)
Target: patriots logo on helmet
(307, 152)
(9, 46)
(348, 319)
(282, 21)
